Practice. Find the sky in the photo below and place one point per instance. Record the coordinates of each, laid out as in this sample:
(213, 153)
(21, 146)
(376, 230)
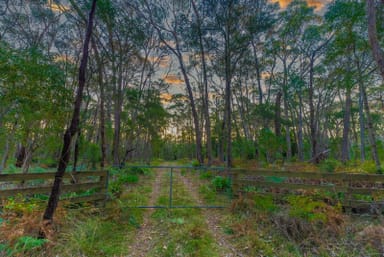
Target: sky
(318, 4)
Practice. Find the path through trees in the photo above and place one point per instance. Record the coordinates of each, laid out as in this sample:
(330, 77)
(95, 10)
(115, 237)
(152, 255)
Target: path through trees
(181, 231)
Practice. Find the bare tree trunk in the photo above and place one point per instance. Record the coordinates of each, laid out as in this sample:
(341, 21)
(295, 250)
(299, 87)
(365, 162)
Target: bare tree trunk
(3, 164)
(20, 155)
(300, 144)
(312, 122)
(76, 152)
(347, 124)
(102, 109)
(278, 114)
(378, 53)
(199, 154)
(205, 82)
(71, 130)
(362, 125)
(7, 148)
(371, 131)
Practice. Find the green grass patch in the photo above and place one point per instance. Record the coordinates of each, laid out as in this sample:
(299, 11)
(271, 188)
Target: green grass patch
(184, 232)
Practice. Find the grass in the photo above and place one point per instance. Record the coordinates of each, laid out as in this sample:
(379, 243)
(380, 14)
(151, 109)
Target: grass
(183, 232)
(106, 233)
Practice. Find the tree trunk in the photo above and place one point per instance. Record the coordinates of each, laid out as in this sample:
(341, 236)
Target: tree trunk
(76, 152)
(300, 147)
(117, 124)
(371, 131)
(278, 114)
(378, 53)
(20, 155)
(195, 116)
(362, 125)
(227, 99)
(205, 83)
(346, 128)
(312, 122)
(102, 110)
(71, 130)
(3, 164)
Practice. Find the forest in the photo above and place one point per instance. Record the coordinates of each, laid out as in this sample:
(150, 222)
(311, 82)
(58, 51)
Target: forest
(252, 84)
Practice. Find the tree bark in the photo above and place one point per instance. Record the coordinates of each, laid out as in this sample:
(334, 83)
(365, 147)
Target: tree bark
(20, 155)
(346, 128)
(378, 53)
(71, 130)
(312, 122)
(371, 131)
(278, 114)
(205, 83)
(102, 109)
(362, 125)
(300, 144)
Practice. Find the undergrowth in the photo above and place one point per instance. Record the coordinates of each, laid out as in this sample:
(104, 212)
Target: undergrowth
(182, 232)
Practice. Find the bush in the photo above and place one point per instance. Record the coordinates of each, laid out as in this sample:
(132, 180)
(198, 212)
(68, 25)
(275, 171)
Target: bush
(329, 165)
(137, 170)
(206, 175)
(264, 203)
(195, 163)
(129, 178)
(221, 184)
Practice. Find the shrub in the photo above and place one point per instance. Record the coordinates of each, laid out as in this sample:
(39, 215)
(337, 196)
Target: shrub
(129, 178)
(137, 170)
(206, 175)
(221, 184)
(27, 244)
(306, 208)
(264, 203)
(329, 165)
(195, 163)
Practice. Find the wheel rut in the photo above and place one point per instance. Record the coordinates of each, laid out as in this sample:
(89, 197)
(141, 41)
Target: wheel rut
(213, 219)
(143, 241)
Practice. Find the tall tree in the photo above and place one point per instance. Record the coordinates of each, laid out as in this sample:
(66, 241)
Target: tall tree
(71, 130)
(378, 53)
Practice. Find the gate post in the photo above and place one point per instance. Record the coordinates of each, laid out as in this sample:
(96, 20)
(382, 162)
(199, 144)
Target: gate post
(170, 188)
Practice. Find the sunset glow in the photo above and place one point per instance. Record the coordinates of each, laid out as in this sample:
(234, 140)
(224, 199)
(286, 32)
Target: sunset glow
(317, 4)
(173, 79)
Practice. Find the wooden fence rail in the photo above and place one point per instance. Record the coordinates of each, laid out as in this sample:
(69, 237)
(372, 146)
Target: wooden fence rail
(359, 191)
(41, 183)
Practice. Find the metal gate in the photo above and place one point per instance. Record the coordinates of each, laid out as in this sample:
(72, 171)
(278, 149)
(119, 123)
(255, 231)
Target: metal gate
(189, 187)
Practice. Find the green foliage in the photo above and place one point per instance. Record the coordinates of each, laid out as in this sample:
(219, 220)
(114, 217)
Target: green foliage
(209, 195)
(220, 183)
(329, 165)
(195, 163)
(12, 169)
(368, 166)
(206, 175)
(137, 170)
(129, 178)
(306, 208)
(264, 203)
(27, 245)
(269, 145)
(20, 205)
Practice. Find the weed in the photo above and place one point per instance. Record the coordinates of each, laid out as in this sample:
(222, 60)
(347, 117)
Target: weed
(206, 175)
(264, 203)
(221, 183)
(329, 165)
(207, 193)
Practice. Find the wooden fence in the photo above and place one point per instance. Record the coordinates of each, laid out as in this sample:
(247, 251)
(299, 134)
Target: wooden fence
(354, 190)
(74, 184)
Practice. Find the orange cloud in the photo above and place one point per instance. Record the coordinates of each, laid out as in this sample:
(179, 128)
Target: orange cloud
(57, 7)
(317, 4)
(173, 79)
